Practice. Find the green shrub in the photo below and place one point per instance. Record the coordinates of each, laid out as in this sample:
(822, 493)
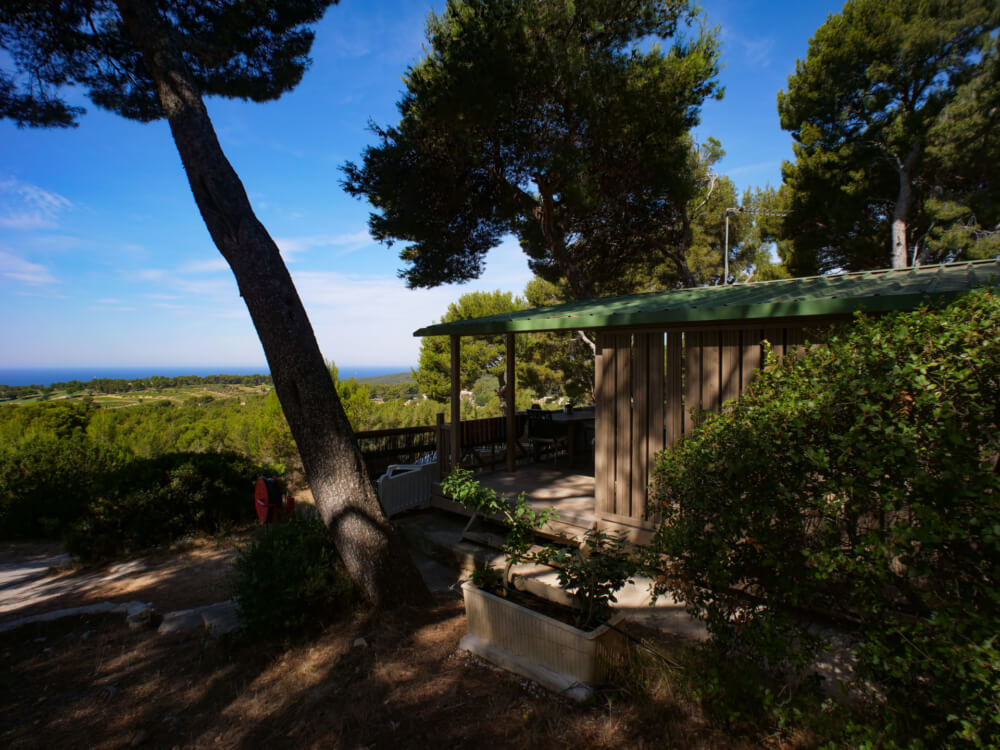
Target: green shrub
(47, 482)
(290, 581)
(155, 501)
(859, 479)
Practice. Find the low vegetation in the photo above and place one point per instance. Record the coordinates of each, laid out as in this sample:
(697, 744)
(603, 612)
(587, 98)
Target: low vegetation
(858, 481)
(289, 581)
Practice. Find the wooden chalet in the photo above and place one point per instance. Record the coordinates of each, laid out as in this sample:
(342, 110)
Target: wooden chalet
(662, 357)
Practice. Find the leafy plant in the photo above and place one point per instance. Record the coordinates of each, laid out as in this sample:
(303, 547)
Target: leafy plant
(290, 580)
(517, 515)
(858, 480)
(591, 575)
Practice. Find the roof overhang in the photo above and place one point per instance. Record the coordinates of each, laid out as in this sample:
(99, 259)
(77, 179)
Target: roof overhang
(816, 296)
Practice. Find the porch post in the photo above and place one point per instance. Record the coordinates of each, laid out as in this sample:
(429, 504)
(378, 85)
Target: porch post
(509, 397)
(456, 402)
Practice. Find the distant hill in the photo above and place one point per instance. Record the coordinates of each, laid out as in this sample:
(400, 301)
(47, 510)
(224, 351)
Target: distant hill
(394, 378)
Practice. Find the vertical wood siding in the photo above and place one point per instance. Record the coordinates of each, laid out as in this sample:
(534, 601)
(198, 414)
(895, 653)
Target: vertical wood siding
(649, 388)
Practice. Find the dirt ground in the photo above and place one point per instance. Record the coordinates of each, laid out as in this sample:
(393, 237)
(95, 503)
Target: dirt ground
(188, 574)
(391, 680)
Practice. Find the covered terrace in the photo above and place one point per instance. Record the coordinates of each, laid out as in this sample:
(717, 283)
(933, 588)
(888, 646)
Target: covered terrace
(664, 357)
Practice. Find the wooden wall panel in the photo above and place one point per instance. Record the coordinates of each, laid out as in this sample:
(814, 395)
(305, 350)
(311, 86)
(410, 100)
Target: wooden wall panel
(751, 352)
(640, 385)
(673, 387)
(729, 352)
(623, 425)
(710, 371)
(604, 423)
(692, 378)
(656, 433)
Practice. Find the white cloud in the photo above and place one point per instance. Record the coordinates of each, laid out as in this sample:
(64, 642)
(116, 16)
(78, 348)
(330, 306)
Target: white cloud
(342, 243)
(109, 301)
(205, 266)
(371, 320)
(149, 274)
(19, 269)
(757, 51)
(25, 206)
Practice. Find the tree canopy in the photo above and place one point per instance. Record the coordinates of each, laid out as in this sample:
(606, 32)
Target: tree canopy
(231, 49)
(481, 355)
(869, 107)
(565, 124)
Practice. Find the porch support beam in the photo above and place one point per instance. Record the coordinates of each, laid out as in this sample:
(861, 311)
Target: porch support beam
(456, 401)
(510, 401)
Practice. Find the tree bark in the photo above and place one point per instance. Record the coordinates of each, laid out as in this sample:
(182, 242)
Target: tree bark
(556, 241)
(901, 211)
(373, 554)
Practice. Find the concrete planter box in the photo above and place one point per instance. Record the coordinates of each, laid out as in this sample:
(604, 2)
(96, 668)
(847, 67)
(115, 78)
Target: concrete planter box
(554, 654)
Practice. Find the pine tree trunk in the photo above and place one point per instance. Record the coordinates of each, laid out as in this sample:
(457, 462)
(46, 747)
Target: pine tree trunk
(373, 554)
(900, 256)
(901, 211)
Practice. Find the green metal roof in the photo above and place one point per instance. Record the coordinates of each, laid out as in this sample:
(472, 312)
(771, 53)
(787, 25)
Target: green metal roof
(842, 294)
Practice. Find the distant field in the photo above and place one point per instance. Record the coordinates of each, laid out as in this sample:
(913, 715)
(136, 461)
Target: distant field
(180, 394)
(176, 394)
(394, 378)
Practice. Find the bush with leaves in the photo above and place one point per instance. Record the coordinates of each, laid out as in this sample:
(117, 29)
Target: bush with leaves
(859, 480)
(48, 481)
(155, 501)
(289, 581)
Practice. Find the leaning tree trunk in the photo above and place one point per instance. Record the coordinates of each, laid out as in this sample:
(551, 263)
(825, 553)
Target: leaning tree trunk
(372, 553)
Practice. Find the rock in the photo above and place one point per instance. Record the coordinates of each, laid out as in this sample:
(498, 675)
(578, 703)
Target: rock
(360, 643)
(139, 615)
(220, 618)
(217, 619)
(181, 621)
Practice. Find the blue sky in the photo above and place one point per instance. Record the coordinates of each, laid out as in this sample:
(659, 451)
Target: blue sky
(104, 259)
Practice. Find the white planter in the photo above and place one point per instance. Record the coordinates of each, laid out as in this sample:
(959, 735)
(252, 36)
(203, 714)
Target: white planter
(554, 654)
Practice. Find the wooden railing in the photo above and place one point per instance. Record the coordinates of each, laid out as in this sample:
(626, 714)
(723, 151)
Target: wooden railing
(483, 444)
(399, 445)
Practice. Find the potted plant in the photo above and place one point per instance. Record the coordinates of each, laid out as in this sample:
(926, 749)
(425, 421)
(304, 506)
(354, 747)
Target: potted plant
(570, 654)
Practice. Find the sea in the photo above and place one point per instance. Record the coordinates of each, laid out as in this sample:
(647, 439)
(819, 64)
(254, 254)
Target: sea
(49, 375)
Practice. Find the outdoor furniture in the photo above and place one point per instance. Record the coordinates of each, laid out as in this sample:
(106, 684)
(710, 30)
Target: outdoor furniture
(543, 434)
(405, 486)
(578, 427)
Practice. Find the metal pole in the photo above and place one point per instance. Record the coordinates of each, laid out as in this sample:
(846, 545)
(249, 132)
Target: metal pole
(725, 254)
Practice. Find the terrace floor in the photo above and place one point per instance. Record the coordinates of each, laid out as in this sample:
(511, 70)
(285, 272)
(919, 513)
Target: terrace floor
(567, 490)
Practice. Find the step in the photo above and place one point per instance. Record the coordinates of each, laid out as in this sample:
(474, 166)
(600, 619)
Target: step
(438, 535)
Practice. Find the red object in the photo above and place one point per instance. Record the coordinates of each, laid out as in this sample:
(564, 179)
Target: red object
(267, 499)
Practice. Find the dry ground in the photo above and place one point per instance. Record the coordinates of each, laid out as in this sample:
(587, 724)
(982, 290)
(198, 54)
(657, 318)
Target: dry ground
(188, 574)
(391, 680)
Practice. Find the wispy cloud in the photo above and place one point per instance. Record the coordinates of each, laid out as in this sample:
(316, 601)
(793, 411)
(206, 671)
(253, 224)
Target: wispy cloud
(25, 206)
(19, 269)
(750, 168)
(205, 266)
(147, 274)
(756, 51)
(342, 244)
